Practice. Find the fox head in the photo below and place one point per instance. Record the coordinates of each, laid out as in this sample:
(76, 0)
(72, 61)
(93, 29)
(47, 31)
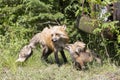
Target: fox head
(77, 47)
(70, 48)
(73, 49)
(80, 46)
(58, 34)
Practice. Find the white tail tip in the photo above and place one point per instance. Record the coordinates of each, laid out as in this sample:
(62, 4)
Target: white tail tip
(20, 60)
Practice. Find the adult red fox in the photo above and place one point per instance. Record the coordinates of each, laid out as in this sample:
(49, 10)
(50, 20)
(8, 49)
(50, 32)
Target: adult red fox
(80, 55)
(48, 43)
(59, 39)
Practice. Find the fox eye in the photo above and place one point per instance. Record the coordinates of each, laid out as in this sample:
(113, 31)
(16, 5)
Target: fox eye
(56, 34)
(51, 34)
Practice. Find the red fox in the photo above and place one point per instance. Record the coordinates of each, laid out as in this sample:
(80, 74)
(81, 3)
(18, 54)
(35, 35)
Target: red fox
(59, 39)
(80, 55)
(45, 38)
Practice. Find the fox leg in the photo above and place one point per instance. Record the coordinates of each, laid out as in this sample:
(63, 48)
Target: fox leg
(63, 56)
(56, 57)
(81, 65)
(76, 65)
(45, 53)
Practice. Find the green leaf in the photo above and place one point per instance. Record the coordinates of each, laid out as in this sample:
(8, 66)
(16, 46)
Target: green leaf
(118, 39)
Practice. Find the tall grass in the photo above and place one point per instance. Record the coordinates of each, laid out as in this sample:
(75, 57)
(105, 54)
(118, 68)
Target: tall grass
(36, 69)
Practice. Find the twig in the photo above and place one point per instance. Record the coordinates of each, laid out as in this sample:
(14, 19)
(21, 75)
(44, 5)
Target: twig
(106, 51)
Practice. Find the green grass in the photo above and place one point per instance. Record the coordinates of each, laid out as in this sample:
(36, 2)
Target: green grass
(36, 69)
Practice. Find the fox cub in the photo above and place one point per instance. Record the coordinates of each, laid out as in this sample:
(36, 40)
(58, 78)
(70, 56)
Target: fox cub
(80, 55)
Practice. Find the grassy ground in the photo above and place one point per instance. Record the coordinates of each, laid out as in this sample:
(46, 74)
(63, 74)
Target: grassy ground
(35, 69)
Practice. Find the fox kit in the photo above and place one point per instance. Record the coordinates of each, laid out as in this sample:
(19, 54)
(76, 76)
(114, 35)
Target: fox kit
(80, 55)
(45, 38)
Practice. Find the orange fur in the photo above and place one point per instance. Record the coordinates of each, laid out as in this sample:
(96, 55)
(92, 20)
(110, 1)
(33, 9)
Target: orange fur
(48, 46)
(81, 56)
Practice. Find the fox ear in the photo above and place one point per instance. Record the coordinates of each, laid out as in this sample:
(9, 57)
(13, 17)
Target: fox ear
(64, 27)
(50, 26)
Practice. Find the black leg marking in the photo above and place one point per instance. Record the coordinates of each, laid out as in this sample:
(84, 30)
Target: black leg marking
(45, 53)
(63, 56)
(56, 58)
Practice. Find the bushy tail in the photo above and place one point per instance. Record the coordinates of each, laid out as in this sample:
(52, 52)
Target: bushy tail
(97, 57)
(26, 51)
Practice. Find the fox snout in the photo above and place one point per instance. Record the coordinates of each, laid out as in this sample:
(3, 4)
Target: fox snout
(54, 39)
(67, 46)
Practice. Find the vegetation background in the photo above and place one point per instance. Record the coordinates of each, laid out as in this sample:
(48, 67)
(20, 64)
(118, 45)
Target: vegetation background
(22, 19)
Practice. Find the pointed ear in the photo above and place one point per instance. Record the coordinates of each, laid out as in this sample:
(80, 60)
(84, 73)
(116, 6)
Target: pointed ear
(50, 26)
(64, 27)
